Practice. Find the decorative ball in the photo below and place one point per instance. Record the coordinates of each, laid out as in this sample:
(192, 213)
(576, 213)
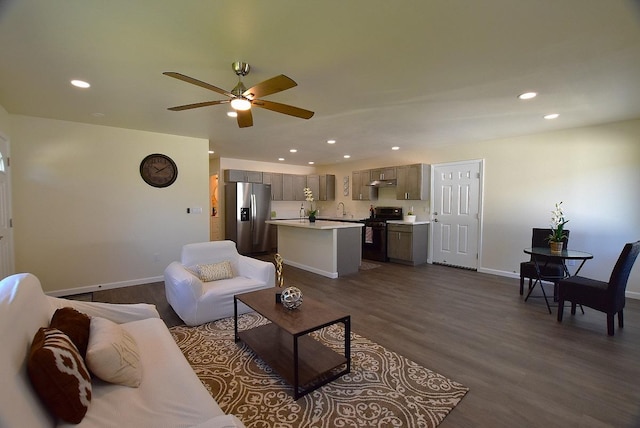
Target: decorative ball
(291, 297)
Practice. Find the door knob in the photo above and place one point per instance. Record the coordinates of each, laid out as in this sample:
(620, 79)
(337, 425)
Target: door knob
(436, 220)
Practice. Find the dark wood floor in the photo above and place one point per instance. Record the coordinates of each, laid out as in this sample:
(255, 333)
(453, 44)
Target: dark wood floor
(523, 368)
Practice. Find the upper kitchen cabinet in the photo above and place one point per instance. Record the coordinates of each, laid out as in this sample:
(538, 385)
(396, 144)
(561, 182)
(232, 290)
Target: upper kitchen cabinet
(388, 173)
(293, 187)
(313, 183)
(275, 180)
(237, 175)
(360, 189)
(327, 187)
(413, 182)
(322, 186)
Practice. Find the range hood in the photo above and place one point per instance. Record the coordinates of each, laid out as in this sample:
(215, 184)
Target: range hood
(383, 183)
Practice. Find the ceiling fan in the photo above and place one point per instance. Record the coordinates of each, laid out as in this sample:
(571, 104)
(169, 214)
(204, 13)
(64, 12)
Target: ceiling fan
(242, 99)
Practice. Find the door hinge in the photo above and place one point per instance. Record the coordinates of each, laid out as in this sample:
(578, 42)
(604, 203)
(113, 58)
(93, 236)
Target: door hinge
(10, 222)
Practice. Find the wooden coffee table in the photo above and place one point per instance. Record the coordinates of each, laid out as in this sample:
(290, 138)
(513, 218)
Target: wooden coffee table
(284, 344)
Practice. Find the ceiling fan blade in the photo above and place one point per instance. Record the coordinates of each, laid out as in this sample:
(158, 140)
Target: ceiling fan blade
(245, 118)
(275, 84)
(283, 108)
(197, 82)
(196, 105)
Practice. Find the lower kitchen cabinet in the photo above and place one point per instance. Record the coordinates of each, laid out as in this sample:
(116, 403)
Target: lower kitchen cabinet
(273, 238)
(407, 243)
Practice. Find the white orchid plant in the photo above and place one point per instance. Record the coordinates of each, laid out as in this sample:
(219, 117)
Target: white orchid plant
(557, 224)
(308, 195)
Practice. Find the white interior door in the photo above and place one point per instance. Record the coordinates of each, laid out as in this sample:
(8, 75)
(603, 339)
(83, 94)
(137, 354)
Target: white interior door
(6, 233)
(456, 213)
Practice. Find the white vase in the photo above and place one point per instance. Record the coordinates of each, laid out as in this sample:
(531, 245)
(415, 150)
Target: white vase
(409, 218)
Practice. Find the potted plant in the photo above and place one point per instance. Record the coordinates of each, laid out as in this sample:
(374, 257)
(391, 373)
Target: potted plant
(410, 216)
(308, 194)
(558, 235)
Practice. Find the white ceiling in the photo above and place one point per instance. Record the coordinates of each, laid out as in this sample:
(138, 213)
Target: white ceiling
(377, 73)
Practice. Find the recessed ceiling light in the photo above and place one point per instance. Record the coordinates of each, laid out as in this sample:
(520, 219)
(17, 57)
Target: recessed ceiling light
(528, 95)
(293, 151)
(331, 141)
(311, 162)
(232, 114)
(551, 116)
(347, 156)
(280, 159)
(395, 148)
(80, 84)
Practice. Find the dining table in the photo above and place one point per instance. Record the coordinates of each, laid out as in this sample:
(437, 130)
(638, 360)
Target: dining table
(542, 256)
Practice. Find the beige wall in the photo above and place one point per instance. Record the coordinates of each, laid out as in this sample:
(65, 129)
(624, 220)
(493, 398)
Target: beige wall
(595, 171)
(83, 217)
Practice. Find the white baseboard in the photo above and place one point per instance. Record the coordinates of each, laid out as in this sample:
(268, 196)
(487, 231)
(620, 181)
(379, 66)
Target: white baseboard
(332, 275)
(99, 287)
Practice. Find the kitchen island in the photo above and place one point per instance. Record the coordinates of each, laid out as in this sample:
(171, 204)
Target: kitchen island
(328, 248)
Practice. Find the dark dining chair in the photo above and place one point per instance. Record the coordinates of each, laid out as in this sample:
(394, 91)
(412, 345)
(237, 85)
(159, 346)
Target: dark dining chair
(608, 297)
(549, 267)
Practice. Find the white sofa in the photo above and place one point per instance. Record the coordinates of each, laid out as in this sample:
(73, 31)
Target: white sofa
(198, 302)
(170, 394)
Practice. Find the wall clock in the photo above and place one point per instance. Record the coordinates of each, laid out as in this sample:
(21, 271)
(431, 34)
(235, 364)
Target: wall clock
(158, 170)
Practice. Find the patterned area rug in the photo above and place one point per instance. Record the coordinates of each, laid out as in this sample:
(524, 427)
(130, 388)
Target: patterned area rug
(383, 389)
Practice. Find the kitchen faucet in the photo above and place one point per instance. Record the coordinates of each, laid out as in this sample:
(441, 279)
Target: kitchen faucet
(338, 207)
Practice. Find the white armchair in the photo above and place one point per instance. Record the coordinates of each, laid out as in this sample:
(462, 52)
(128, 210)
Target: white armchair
(197, 302)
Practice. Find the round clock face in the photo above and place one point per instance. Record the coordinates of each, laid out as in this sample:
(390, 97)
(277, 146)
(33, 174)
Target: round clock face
(158, 170)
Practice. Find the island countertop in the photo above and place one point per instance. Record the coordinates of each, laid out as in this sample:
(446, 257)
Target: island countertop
(319, 224)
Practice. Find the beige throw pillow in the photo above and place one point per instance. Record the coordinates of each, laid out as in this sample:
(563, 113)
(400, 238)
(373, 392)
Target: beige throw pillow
(112, 354)
(215, 271)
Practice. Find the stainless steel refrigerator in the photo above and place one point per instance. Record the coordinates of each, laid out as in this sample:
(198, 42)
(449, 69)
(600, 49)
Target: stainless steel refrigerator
(247, 206)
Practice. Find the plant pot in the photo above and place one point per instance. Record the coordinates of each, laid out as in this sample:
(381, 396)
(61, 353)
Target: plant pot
(312, 219)
(556, 247)
(409, 218)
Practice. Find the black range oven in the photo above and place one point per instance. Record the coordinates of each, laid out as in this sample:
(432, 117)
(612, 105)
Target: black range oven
(374, 233)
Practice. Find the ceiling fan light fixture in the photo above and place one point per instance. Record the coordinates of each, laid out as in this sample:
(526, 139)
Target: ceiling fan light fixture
(240, 104)
(528, 95)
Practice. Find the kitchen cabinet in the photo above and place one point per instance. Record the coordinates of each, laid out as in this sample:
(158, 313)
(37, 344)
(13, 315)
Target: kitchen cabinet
(413, 182)
(241, 176)
(273, 238)
(360, 191)
(313, 183)
(287, 187)
(388, 173)
(327, 187)
(293, 187)
(275, 180)
(407, 243)
(299, 183)
(323, 186)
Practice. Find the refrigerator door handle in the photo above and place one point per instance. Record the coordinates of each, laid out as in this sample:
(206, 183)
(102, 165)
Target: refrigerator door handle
(254, 214)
